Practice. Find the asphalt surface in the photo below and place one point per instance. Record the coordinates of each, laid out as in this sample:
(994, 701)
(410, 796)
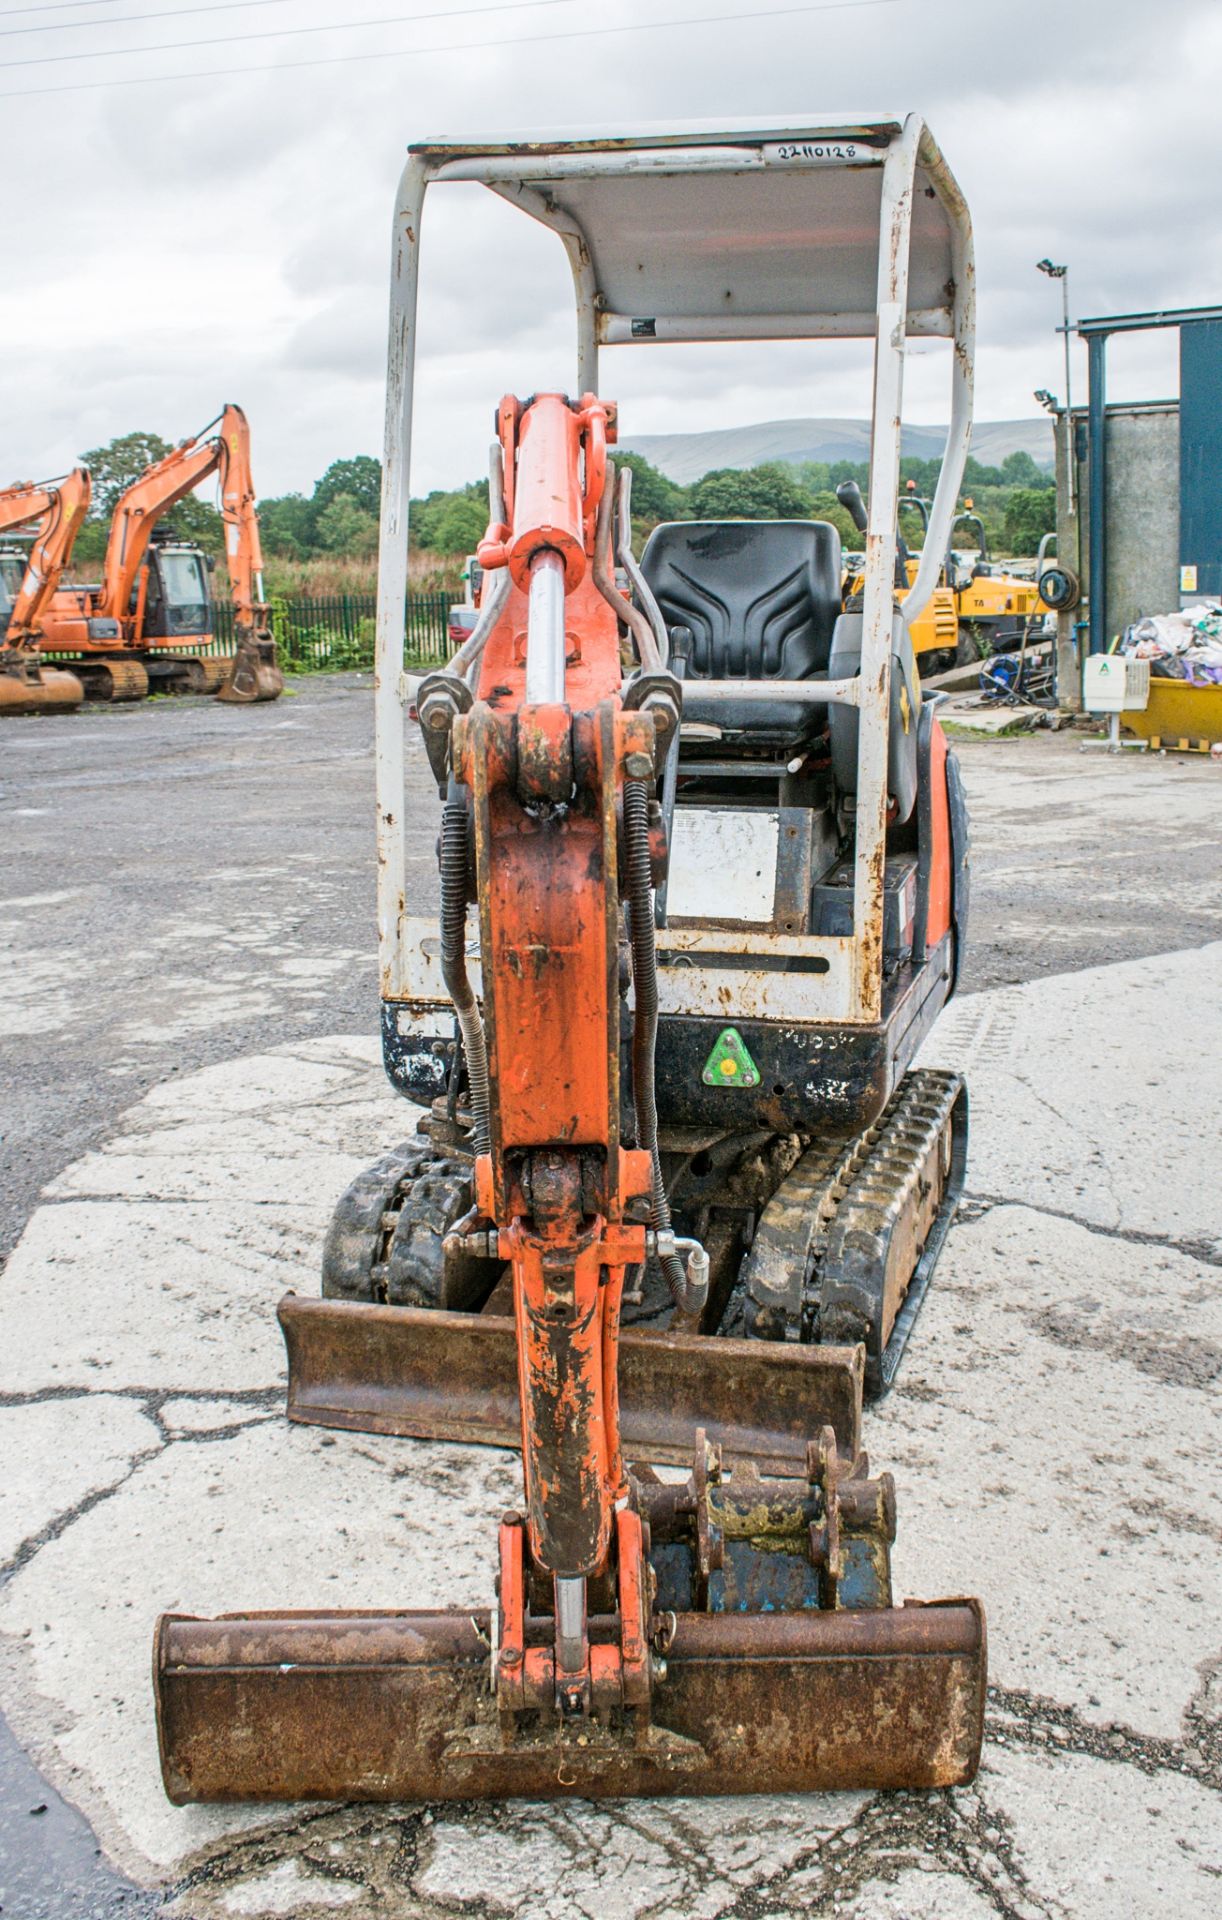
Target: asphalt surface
(187, 884)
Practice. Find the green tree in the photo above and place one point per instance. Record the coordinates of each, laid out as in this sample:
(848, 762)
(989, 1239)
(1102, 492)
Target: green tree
(359, 478)
(767, 492)
(654, 497)
(814, 475)
(462, 522)
(1031, 512)
(825, 506)
(117, 466)
(344, 526)
(114, 467)
(450, 521)
(196, 520)
(286, 526)
(1018, 469)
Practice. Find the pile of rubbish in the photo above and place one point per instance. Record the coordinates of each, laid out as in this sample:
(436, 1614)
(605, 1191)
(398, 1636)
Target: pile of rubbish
(1180, 646)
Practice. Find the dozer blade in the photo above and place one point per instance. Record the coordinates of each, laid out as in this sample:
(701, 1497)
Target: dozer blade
(254, 676)
(427, 1374)
(40, 690)
(396, 1706)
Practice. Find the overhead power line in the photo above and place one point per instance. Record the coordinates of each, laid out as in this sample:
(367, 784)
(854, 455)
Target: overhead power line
(454, 46)
(127, 19)
(277, 33)
(57, 6)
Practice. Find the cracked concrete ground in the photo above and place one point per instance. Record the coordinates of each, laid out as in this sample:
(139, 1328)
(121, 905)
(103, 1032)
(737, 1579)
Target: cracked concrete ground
(1050, 1434)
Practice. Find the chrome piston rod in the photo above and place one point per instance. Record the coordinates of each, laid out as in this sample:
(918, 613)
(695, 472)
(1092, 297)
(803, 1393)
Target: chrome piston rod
(545, 647)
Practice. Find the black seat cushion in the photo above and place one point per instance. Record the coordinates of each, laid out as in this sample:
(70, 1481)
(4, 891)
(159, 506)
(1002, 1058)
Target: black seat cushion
(760, 599)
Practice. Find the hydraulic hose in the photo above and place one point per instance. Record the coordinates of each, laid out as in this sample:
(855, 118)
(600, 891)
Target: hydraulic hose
(453, 862)
(689, 1297)
(604, 579)
(468, 656)
(628, 561)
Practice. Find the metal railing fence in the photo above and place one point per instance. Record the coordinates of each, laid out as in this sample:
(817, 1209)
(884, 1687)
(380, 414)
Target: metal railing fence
(318, 633)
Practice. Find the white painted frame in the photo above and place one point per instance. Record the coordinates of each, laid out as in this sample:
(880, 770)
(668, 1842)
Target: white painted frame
(849, 990)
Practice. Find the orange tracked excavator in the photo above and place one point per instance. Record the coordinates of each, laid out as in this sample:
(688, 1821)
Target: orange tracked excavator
(677, 1194)
(151, 616)
(28, 684)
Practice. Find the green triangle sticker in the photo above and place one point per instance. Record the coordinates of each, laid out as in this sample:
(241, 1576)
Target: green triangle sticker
(729, 1064)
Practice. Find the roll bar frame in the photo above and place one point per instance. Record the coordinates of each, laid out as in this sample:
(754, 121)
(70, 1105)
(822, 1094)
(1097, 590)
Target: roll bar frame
(850, 988)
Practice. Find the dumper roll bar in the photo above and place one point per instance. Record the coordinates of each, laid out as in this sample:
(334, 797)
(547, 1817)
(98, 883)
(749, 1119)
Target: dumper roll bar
(588, 190)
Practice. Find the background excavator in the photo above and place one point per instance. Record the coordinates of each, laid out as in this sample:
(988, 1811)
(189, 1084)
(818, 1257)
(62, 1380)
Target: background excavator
(151, 614)
(999, 606)
(677, 1190)
(28, 580)
(934, 630)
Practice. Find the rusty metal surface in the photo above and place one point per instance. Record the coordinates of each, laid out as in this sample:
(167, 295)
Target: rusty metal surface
(25, 687)
(453, 1376)
(255, 674)
(115, 676)
(396, 1706)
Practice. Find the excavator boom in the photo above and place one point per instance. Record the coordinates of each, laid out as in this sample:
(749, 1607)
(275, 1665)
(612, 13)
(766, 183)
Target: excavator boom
(27, 684)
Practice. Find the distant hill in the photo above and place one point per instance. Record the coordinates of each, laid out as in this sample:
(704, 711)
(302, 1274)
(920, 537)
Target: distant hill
(684, 457)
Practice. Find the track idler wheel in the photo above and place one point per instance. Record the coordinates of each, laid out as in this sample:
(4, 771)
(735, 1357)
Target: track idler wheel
(387, 1238)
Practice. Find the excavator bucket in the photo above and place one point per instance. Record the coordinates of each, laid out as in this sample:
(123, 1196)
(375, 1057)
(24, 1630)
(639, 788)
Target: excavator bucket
(31, 687)
(398, 1706)
(255, 674)
(755, 1649)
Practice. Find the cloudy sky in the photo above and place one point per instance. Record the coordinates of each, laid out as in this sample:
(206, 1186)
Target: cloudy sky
(200, 190)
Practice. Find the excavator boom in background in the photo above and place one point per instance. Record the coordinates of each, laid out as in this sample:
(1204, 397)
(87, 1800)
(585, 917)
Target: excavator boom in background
(677, 1192)
(151, 616)
(28, 581)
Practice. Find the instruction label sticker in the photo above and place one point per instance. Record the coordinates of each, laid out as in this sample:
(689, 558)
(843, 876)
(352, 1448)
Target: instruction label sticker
(729, 1064)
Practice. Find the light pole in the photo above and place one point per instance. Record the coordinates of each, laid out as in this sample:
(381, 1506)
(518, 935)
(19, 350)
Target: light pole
(1062, 274)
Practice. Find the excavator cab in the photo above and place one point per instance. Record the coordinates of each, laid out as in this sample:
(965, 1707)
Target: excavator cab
(676, 1189)
(12, 573)
(177, 595)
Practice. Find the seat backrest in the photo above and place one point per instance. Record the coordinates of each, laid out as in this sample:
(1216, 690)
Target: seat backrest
(760, 597)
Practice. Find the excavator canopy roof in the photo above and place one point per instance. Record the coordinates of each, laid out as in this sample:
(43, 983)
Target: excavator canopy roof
(747, 230)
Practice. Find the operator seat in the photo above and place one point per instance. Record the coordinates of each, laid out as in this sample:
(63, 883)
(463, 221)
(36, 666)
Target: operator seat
(760, 600)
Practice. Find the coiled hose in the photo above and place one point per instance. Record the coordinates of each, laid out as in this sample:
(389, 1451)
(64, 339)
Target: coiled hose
(453, 860)
(688, 1297)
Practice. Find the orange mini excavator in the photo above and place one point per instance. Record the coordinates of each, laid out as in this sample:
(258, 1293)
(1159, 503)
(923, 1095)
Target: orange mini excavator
(28, 579)
(151, 617)
(677, 1193)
